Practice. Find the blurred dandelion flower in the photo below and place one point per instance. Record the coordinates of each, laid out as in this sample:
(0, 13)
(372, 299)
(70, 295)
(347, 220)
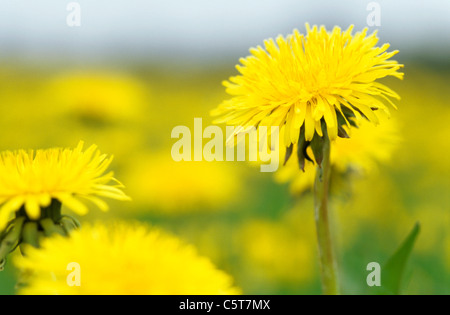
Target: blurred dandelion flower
(100, 97)
(181, 186)
(311, 84)
(31, 180)
(122, 259)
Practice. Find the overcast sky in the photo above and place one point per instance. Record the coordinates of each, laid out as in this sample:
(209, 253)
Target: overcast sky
(205, 29)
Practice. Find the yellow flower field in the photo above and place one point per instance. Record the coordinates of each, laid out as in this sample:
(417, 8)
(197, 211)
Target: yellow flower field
(108, 185)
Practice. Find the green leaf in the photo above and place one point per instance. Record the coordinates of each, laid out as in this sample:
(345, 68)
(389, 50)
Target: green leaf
(394, 270)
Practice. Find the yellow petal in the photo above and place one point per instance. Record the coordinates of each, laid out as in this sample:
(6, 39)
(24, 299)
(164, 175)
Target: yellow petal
(319, 128)
(8, 208)
(102, 205)
(73, 204)
(309, 125)
(32, 208)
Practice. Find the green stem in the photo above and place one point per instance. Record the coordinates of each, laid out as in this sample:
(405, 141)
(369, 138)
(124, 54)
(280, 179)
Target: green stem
(328, 264)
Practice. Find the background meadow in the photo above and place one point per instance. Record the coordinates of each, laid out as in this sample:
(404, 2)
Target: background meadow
(133, 71)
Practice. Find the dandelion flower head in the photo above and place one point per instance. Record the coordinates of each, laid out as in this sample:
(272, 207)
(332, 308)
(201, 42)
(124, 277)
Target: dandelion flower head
(311, 83)
(121, 259)
(32, 179)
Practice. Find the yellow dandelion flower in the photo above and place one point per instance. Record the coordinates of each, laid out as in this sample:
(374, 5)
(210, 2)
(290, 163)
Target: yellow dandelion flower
(316, 82)
(368, 146)
(121, 259)
(31, 180)
(98, 96)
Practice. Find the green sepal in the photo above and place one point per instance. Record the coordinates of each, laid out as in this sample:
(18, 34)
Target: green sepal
(349, 115)
(30, 234)
(342, 133)
(68, 224)
(317, 148)
(51, 228)
(55, 210)
(74, 220)
(301, 150)
(11, 240)
(288, 153)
